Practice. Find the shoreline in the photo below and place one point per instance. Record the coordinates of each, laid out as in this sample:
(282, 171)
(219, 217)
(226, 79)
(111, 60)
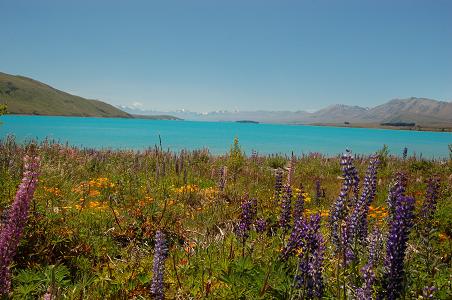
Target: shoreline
(445, 128)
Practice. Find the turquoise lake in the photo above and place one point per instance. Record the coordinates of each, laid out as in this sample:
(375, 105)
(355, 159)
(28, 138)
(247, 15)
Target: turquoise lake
(218, 136)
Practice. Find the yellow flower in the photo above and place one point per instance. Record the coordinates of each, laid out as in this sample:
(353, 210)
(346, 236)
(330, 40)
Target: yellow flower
(307, 198)
(324, 213)
(93, 204)
(299, 251)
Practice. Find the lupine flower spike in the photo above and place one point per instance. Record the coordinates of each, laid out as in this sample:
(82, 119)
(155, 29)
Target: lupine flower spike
(286, 206)
(260, 225)
(356, 222)
(399, 229)
(339, 208)
(367, 271)
(249, 211)
(160, 253)
(397, 189)
(431, 197)
(12, 230)
(278, 185)
(310, 278)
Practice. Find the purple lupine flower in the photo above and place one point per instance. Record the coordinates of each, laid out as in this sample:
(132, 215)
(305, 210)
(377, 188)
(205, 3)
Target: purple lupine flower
(317, 268)
(367, 271)
(431, 197)
(260, 225)
(286, 206)
(365, 292)
(375, 242)
(405, 153)
(278, 184)
(158, 268)
(249, 210)
(310, 278)
(299, 205)
(353, 178)
(356, 222)
(369, 192)
(337, 215)
(318, 189)
(339, 209)
(12, 230)
(428, 292)
(297, 238)
(346, 243)
(222, 178)
(399, 229)
(396, 189)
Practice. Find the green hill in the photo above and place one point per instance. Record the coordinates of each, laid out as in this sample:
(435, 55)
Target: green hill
(30, 97)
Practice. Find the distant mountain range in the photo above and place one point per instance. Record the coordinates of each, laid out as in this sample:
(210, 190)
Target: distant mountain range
(27, 96)
(421, 111)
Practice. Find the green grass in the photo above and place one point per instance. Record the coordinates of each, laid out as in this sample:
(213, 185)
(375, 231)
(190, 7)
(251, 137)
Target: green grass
(27, 96)
(95, 213)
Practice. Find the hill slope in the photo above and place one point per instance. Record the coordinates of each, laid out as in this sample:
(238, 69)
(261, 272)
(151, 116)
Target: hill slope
(418, 110)
(27, 96)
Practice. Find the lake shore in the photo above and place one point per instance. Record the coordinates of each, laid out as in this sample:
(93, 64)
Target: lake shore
(433, 128)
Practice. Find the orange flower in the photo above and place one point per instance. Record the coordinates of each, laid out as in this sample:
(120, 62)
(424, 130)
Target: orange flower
(443, 237)
(190, 248)
(94, 193)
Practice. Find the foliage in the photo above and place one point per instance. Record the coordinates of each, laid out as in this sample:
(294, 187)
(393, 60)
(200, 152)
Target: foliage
(93, 220)
(3, 110)
(276, 161)
(236, 159)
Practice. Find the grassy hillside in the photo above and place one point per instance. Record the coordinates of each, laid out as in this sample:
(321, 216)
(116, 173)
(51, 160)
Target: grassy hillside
(27, 96)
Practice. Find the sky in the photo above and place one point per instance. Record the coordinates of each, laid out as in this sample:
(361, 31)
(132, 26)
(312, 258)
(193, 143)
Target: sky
(205, 55)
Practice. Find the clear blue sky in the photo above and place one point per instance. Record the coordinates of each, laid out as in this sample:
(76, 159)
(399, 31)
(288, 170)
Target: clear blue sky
(232, 54)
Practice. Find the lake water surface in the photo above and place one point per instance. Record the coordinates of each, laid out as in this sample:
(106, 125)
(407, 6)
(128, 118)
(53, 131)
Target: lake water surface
(218, 136)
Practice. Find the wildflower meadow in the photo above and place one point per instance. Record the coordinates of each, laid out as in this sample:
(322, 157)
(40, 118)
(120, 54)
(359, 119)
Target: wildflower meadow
(80, 223)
